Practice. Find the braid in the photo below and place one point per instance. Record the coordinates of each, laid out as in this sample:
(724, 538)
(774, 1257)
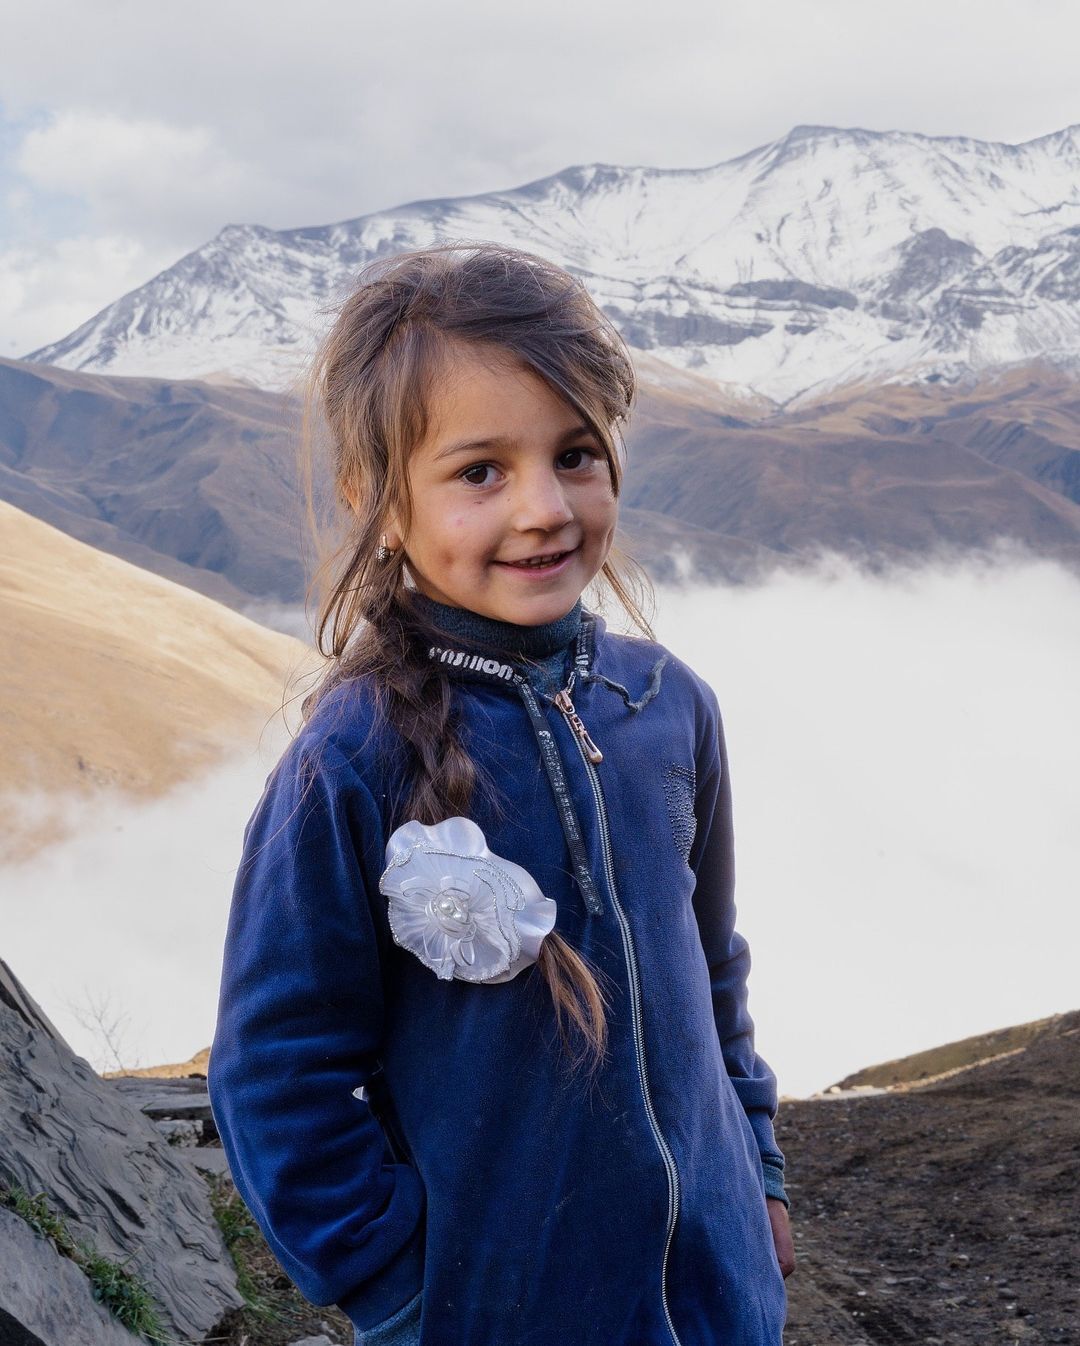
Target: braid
(415, 698)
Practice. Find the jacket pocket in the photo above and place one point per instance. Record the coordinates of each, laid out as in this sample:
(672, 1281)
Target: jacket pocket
(400, 1329)
(385, 1113)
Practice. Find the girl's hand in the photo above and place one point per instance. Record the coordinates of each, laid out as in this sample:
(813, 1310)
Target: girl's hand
(781, 1232)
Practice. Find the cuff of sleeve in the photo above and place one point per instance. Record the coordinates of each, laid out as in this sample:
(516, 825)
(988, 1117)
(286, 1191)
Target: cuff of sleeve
(761, 1123)
(381, 1297)
(774, 1182)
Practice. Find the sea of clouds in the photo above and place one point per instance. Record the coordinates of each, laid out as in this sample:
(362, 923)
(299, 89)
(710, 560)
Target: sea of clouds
(903, 754)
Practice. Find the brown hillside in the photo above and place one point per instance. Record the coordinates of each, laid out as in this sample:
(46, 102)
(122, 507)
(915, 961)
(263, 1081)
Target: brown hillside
(937, 1061)
(197, 480)
(116, 677)
(179, 1070)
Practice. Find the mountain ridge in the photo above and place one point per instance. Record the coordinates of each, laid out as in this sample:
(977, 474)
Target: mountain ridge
(198, 481)
(825, 256)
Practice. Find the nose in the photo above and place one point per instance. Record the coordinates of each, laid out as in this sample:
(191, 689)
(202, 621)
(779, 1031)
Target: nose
(540, 503)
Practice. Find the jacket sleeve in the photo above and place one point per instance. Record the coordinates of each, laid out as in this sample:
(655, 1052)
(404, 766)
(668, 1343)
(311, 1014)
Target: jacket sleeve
(712, 858)
(299, 1026)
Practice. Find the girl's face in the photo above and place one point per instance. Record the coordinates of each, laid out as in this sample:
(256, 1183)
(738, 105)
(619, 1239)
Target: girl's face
(507, 473)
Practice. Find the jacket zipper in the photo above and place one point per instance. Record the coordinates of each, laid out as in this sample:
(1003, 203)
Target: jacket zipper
(573, 719)
(581, 737)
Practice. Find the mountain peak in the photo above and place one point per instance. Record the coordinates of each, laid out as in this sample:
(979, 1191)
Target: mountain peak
(830, 255)
(812, 131)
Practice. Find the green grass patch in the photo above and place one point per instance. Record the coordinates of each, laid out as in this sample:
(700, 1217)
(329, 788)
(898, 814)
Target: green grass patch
(275, 1313)
(113, 1284)
(245, 1243)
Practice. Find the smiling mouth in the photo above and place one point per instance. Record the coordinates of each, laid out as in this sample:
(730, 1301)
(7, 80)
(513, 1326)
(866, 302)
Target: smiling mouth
(539, 563)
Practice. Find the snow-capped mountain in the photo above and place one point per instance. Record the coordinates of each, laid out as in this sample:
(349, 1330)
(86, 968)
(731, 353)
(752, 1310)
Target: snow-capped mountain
(826, 257)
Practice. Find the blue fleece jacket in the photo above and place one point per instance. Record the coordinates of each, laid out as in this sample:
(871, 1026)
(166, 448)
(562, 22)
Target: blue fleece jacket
(395, 1132)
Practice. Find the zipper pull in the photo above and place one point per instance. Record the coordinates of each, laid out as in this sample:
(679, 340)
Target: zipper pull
(592, 752)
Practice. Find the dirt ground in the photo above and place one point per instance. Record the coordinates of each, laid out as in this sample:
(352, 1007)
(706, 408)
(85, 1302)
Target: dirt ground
(939, 1215)
(946, 1213)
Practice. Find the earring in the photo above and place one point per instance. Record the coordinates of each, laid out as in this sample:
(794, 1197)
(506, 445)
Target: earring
(384, 552)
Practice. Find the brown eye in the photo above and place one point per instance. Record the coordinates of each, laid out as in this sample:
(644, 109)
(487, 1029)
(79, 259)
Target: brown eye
(476, 467)
(579, 453)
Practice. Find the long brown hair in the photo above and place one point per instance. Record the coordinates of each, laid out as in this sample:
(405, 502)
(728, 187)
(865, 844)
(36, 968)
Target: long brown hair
(366, 403)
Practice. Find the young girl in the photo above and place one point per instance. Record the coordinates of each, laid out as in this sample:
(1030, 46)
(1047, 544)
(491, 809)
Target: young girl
(483, 1070)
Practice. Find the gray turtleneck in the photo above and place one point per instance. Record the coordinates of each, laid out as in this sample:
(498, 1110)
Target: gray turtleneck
(544, 648)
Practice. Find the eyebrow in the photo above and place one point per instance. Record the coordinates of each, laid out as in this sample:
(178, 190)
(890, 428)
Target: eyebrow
(503, 442)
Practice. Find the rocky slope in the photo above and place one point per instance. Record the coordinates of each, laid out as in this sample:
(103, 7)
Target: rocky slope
(936, 1063)
(92, 1168)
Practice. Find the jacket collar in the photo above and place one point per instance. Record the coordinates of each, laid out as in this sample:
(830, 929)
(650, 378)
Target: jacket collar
(479, 667)
(461, 661)
(464, 628)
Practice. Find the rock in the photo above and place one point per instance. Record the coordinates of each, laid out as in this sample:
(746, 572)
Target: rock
(180, 1132)
(45, 1299)
(208, 1158)
(314, 1341)
(186, 1099)
(103, 1168)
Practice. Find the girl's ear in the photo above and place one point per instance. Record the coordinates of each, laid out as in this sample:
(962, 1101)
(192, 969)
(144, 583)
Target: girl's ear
(392, 532)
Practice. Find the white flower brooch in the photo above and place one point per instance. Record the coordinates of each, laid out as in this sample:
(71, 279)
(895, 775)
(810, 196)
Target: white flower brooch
(461, 910)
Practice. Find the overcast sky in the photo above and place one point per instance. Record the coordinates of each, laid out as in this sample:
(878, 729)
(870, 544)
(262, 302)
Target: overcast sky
(131, 133)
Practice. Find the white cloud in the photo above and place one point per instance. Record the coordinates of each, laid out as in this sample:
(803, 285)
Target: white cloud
(902, 752)
(354, 110)
(143, 176)
(48, 288)
(903, 767)
(162, 128)
(130, 911)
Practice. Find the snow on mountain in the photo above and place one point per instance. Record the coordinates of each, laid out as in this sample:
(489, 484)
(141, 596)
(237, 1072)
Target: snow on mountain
(827, 257)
